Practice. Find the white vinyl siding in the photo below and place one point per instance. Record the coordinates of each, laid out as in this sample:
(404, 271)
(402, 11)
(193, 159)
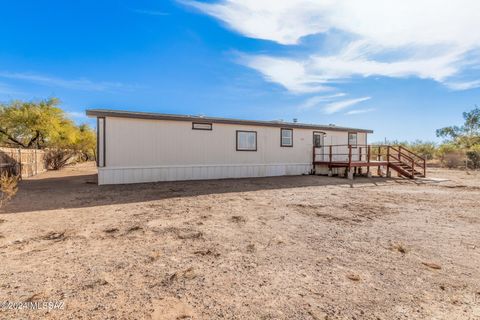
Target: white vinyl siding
(145, 150)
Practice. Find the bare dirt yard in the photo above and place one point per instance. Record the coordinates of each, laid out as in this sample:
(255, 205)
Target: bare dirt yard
(271, 248)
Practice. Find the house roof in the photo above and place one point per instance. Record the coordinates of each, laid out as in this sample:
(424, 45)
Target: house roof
(202, 119)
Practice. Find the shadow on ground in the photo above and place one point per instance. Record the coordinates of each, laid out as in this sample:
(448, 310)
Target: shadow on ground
(80, 191)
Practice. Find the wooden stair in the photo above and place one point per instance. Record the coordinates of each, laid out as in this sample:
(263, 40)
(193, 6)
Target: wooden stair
(407, 163)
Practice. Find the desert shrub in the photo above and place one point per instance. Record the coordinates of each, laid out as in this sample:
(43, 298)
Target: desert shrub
(451, 155)
(473, 156)
(453, 159)
(423, 148)
(56, 159)
(8, 187)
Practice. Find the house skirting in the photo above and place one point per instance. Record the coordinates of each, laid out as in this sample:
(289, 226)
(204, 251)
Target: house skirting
(124, 175)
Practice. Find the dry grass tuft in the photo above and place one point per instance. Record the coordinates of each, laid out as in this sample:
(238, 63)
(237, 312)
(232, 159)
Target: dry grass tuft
(8, 188)
(54, 236)
(207, 252)
(187, 274)
(432, 265)
(189, 235)
(399, 247)
(353, 277)
(111, 230)
(154, 256)
(238, 219)
(134, 228)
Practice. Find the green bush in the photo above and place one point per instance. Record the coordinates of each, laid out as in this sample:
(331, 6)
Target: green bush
(473, 156)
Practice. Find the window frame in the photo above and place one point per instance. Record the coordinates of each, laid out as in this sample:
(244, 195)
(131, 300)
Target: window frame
(281, 138)
(356, 139)
(202, 123)
(323, 138)
(245, 131)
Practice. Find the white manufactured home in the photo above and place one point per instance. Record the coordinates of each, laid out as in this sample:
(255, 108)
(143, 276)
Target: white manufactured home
(138, 147)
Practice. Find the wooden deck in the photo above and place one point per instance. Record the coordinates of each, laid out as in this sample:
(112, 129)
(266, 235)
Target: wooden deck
(351, 157)
(341, 164)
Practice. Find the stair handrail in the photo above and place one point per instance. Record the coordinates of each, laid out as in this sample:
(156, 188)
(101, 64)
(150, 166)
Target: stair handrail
(419, 157)
(412, 162)
(422, 159)
(420, 164)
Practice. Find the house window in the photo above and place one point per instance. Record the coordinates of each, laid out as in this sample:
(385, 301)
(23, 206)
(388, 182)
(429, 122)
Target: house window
(201, 126)
(286, 137)
(352, 138)
(246, 140)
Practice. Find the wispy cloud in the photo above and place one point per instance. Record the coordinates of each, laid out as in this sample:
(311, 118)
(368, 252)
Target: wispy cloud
(75, 84)
(151, 12)
(316, 100)
(464, 85)
(337, 106)
(359, 111)
(289, 73)
(395, 39)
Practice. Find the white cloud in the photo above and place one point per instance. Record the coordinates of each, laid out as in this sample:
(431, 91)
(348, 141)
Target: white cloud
(77, 84)
(359, 111)
(340, 105)
(282, 21)
(316, 100)
(291, 74)
(464, 85)
(429, 39)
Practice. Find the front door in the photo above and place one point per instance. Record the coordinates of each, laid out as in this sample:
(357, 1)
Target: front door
(318, 143)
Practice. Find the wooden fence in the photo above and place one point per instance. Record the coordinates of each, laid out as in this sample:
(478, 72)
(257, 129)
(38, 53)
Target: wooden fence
(23, 162)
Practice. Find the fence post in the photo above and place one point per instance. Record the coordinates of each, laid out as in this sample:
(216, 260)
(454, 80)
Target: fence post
(20, 162)
(36, 164)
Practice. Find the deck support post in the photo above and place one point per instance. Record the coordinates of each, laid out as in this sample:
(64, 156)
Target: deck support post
(368, 162)
(350, 174)
(330, 172)
(379, 158)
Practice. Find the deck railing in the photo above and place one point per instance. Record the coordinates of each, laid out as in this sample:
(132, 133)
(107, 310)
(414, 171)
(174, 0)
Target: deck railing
(397, 157)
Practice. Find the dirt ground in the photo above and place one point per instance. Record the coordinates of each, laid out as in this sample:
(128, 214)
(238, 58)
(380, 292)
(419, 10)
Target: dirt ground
(270, 248)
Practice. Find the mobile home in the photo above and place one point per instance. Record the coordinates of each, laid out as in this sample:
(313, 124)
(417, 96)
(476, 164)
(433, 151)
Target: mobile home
(138, 147)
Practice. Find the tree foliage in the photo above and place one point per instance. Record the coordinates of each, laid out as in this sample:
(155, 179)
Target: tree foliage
(42, 124)
(463, 139)
(466, 135)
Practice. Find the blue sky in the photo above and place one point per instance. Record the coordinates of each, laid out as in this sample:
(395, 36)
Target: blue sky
(394, 67)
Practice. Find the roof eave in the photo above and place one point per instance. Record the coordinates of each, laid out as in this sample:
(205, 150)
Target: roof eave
(171, 117)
